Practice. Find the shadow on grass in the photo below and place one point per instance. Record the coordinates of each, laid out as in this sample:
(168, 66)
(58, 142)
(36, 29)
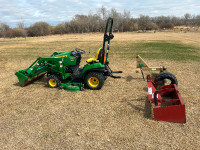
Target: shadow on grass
(17, 84)
(40, 81)
(145, 89)
(130, 78)
(138, 108)
(147, 109)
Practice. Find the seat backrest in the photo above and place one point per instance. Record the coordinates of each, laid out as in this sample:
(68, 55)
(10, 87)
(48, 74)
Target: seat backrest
(99, 55)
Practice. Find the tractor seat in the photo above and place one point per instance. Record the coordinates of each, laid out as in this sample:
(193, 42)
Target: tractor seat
(98, 56)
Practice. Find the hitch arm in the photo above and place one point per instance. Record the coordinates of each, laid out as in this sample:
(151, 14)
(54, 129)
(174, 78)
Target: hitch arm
(142, 72)
(110, 72)
(117, 72)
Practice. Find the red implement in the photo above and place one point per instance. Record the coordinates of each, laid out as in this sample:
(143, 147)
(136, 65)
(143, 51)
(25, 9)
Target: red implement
(169, 105)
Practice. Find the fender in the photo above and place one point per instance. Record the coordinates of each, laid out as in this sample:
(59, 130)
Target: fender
(102, 70)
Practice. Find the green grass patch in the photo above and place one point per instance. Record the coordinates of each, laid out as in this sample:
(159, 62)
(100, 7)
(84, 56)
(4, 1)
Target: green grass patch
(123, 50)
(157, 50)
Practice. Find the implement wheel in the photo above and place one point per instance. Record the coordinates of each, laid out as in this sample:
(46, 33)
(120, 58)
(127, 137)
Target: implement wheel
(165, 78)
(94, 80)
(53, 81)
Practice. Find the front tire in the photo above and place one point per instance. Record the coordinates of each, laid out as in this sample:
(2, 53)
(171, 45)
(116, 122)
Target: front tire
(94, 80)
(53, 81)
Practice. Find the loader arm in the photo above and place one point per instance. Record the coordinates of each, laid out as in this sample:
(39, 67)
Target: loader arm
(40, 67)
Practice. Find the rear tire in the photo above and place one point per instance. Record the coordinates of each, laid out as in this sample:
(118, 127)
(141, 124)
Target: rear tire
(53, 81)
(162, 77)
(94, 80)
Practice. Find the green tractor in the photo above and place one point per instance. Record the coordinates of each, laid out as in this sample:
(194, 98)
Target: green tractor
(62, 68)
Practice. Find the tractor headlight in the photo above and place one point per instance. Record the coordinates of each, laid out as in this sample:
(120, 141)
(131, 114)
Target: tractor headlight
(60, 62)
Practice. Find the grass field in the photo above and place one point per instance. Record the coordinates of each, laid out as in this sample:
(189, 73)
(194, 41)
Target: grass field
(116, 117)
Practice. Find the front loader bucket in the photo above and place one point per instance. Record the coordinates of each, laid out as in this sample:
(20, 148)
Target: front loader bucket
(21, 77)
(25, 76)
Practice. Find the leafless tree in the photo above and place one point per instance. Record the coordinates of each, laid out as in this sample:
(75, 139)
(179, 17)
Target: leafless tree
(187, 18)
(4, 28)
(21, 25)
(59, 29)
(39, 29)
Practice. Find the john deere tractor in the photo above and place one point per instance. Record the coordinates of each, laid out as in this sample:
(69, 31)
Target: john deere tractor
(63, 68)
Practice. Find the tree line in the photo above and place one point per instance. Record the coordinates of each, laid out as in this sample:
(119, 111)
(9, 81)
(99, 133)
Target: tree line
(123, 22)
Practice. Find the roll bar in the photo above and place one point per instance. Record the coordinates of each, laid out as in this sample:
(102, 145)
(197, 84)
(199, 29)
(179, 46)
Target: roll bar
(107, 37)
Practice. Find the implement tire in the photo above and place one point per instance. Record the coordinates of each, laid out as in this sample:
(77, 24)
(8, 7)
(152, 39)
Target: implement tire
(94, 80)
(163, 76)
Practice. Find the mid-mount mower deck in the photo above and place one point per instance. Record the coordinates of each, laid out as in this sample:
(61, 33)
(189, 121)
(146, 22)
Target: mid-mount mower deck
(62, 68)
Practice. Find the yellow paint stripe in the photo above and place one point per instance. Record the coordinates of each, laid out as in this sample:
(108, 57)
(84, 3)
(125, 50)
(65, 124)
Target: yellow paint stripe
(61, 56)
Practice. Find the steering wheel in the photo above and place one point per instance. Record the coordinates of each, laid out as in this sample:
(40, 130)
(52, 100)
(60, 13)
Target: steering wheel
(78, 50)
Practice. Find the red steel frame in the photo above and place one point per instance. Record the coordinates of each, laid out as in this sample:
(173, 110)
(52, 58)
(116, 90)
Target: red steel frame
(173, 113)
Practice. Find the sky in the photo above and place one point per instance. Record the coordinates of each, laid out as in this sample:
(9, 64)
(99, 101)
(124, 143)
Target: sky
(58, 11)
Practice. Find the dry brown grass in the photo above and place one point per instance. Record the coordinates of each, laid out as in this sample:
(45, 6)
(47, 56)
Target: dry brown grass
(116, 117)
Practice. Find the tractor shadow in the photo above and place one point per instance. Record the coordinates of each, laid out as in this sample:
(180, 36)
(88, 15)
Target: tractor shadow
(130, 78)
(17, 84)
